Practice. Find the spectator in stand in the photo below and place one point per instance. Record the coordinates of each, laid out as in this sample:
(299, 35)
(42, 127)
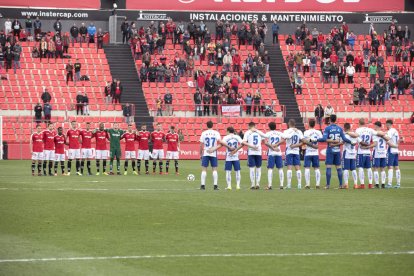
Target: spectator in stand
(289, 40)
(37, 24)
(99, 38)
(168, 99)
(198, 98)
(206, 104)
(358, 63)
(117, 92)
(298, 36)
(235, 80)
(66, 43)
(372, 96)
(326, 72)
(17, 51)
(8, 56)
(366, 64)
(77, 66)
(214, 104)
(85, 103)
(299, 82)
(29, 26)
(257, 100)
(1, 60)
(51, 49)
(59, 48)
(57, 26)
(328, 112)
(91, 33)
(351, 37)
(306, 64)
(334, 73)
(47, 111)
(74, 32)
(400, 84)
(79, 103)
(125, 31)
(7, 26)
(275, 32)
(362, 92)
(127, 113)
(236, 62)
(381, 73)
(38, 109)
(69, 72)
(411, 52)
(350, 71)
(43, 48)
(381, 94)
(355, 96)
(313, 63)
(46, 97)
(17, 27)
(319, 114)
(107, 92)
(372, 72)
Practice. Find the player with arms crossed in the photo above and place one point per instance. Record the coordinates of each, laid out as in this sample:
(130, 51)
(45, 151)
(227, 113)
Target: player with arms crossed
(349, 156)
(312, 154)
(86, 151)
(157, 138)
(293, 137)
(130, 150)
(209, 139)
(49, 148)
(59, 140)
(333, 135)
(36, 145)
(173, 143)
(115, 135)
(73, 135)
(274, 154)
(254, 155)
(392, 133)
(143, 148)
(101, 153)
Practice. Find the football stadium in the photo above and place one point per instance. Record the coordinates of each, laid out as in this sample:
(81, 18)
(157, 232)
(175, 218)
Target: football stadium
(206, 137)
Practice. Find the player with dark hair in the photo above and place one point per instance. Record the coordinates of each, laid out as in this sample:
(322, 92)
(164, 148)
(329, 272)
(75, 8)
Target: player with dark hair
(392, 163)
(130, 151)
(312, 154)
(157, 138)
(101, 152)
(143, 138)
(49, 148)
(59, 141)
(86, 151)
(173, 149)
(36, 146)
(349, 156)
(115, 135)
(293, 137)
(73, 135)
(274, 155)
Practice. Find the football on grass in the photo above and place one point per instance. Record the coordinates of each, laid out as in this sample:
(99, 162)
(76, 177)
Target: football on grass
(191, 177)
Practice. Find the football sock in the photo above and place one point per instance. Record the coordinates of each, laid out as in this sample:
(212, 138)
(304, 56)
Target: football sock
(69, 165)
(77, 165)
(398, 176)
(376, 177)
(228, 178)
(176, 166)
(56, 167)
(154, 166)
(269, 177)
(215, 178)
(299, 177)
(383, 177)
(88, 165)
(339, 172)
(133, 165)
(50, 167)
(82, 165)
(281, 177)
(258, 176)
(97, 165)
(252, 175)
(390, 176)
(167, 165)
(203, 178)
(307, 176)
(62, 166)
(289, 178)
(44, 167)
(238, 178)
(318, 177)
(139, 165)
(39, 167)
(346, 176)
(328, 176)
(126, 165)
(118, 165)
(33, 166)
(146, 165)
(361, 176)
(111, 164)
(355, 177)
(160, 164)
(370, 176)
(104, 165)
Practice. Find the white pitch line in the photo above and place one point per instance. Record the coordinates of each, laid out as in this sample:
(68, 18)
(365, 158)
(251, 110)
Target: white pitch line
(93, 258)
(92, 189)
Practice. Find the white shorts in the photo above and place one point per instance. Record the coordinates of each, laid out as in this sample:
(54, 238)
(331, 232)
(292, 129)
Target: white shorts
(130, 155)
(59, 157)
(143, 154)
(87, 153)
(101, 154)
(49, 155)
(74, 154)
(37, 156)
(172, 155)
(157, 154)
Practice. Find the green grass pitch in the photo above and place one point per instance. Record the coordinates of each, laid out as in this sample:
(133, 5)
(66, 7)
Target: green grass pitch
(164, 225)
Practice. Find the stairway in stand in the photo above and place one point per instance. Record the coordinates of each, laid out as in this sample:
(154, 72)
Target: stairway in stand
(281, 83)
(122, 66)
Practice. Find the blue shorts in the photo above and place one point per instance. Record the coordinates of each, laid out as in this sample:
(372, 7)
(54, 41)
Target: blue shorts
(292, 160)
(312, 159)
(333, 158)
(229, 164)
(254, 161)
(274, 160)
(349, 164)
(380, 162)
(209, 159)
(392, 159)
(364, 161)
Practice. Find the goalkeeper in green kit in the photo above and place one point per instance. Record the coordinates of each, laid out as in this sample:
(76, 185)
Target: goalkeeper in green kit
(115, 135)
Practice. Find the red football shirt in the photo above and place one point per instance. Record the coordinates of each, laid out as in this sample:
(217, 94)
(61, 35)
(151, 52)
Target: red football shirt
(172, 141)
(59, 144)
(101, 138)
(49, 139)
(143, 138)
(129, 141)
(73, 136)
(86, 139)
(37, 142)
(157, 138)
